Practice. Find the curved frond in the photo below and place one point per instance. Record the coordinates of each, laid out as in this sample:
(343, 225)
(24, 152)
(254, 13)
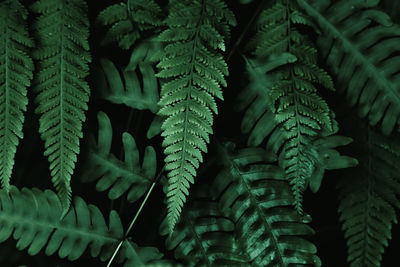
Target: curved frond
(259, 199)
(369, 197)
(32, 217)
(126, 88)
(125, 21)
(203, 236)
(119, 176)
(62, 29)
(195, 70)
(360, 44)
(16, 69)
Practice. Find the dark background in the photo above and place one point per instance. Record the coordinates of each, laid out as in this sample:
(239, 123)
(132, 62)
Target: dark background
(31, 168)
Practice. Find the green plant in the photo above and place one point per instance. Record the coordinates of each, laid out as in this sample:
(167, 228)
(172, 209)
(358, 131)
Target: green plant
(200, 129)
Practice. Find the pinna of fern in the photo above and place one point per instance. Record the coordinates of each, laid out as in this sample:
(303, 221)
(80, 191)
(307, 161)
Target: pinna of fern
(62, 31)
(194, 70)
(16, 72)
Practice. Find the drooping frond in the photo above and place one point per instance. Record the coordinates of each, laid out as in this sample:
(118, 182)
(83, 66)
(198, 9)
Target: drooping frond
(203, 236)
(259, 122)
(62, 30)
(369, 196)
(195, 70)
(32, 217)
(292, 89)
(259, 199)
(360, 44)
(118, 176)
(16, 68)
(126, 88)
(127, 19)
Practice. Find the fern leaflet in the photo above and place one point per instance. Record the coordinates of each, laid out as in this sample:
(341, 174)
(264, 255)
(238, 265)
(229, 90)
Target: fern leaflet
(116, 175)
(16, 69)
(62, 31)
(126, 88)
(196, 71)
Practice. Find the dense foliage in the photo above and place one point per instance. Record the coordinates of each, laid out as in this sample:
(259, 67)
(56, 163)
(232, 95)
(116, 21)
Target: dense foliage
(204, 132)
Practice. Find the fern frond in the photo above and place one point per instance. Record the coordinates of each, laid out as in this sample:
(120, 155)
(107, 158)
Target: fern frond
(196, 72)
(258, 120)
(32, 217)
(126, 88)
(16, 69)
(62, 30)
(116, 175)
(360, 44)
(259, 199)
(203, 236)
(127, 19)
(292, 90)
(369, 197)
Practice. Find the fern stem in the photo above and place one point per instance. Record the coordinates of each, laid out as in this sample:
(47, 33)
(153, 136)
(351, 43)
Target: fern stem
(245, 30)
(136, 216)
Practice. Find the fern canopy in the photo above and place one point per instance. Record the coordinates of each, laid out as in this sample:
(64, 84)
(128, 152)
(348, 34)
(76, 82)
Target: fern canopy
(125, 21)
(258, 198)
(16, 69)
(32, 217)
(195, 71)
(62, 31)
(360, 44)
(116, 175)
(369, 197)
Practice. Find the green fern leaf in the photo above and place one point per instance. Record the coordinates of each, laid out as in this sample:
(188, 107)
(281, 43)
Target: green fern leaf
(126, 88)
(127, 19)
(203, 236)
(303, 114)
(258, 198)
(16, 69)
(369, 196)
(116, 175)
(196, 71)
(258, 120)
(62, 31)
(32, 217)
(359, 42)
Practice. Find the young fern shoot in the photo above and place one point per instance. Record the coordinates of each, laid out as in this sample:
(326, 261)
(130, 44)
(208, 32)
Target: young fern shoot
(62, 31)
(195, 70)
